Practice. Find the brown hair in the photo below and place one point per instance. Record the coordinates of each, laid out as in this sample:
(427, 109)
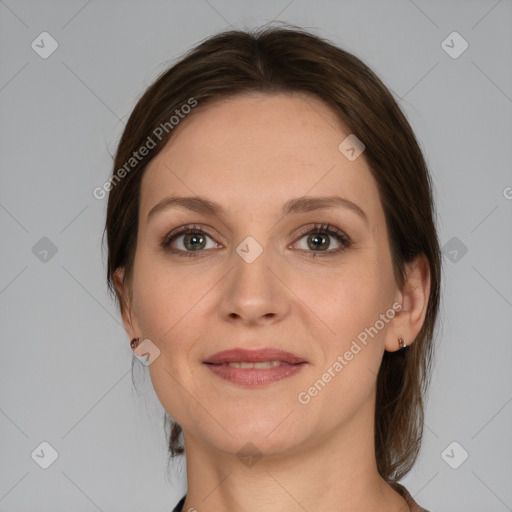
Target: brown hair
(288, 59)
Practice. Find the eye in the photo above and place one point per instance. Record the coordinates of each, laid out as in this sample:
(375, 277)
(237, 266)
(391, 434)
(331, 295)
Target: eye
(187, 241)
(191, 240)
(319, 240)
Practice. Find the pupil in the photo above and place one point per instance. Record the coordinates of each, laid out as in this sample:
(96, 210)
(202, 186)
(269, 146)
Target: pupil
(316, 238)
(194, 238)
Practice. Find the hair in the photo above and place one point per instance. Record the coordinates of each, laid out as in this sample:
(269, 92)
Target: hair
(288, 59)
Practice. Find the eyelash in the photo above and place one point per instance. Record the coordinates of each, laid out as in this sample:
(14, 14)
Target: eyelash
(342, 238)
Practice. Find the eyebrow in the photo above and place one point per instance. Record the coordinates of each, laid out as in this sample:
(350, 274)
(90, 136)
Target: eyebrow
(293, 206)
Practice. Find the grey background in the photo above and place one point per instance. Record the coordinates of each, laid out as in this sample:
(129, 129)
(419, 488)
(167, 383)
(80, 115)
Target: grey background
(66, 360)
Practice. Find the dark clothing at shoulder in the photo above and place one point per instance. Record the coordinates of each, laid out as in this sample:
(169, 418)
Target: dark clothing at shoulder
(179, 506)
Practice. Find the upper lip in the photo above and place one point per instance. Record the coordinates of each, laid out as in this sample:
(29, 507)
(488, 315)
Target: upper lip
(253, 356)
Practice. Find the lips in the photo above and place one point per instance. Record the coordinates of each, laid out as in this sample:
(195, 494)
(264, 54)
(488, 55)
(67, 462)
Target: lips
(254, 368)
(240, 355)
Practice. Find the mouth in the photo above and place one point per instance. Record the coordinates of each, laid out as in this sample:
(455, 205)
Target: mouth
(262, 365)
(263, 355)
(252, 368)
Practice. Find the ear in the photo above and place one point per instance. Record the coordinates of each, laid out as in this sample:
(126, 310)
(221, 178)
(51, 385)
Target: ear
(123, 295)
(414, 299)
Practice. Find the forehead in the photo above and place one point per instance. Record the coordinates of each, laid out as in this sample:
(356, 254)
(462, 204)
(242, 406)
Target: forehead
(259, 150)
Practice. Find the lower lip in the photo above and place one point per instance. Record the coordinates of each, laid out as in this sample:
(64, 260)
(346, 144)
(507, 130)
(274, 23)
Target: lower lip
(252, 377)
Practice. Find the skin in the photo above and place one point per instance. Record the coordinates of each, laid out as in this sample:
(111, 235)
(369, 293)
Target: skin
(251, 154)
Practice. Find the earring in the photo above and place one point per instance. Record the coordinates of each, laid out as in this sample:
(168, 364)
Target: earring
(401, 342)
(134, 343)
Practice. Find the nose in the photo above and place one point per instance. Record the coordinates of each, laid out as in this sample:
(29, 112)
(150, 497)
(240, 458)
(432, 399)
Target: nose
(253, 293)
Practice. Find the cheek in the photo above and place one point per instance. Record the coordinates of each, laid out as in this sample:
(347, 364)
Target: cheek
(164, 301)
(161, 297)
(350, 301)
(349, 298)
(350, 304)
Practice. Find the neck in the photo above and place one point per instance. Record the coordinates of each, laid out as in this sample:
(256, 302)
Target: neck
(335, 471)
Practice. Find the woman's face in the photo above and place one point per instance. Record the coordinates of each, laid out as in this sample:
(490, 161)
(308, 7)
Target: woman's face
(249, 276)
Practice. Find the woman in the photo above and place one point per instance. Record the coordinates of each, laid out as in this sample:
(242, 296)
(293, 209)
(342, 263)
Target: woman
(272, 245)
